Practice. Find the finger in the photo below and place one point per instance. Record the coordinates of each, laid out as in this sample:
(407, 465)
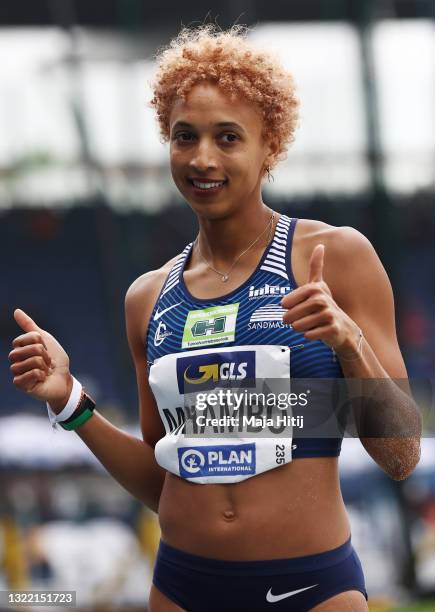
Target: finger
(310, 322)
(26, 323)
(299, 311)
(28, 381)
(318, 333)
(316, 264)
(297, 296)
(32, 337)
(29, 364)
(23, 352)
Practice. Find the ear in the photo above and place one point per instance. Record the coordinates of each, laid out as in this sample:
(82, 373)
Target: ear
(272, 149)
(273, 146)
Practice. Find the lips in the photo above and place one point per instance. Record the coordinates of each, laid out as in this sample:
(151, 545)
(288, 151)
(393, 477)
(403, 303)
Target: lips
(202, 186)
(202, 181)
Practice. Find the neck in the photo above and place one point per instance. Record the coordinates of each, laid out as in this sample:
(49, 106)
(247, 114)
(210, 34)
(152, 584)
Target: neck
(222, 240)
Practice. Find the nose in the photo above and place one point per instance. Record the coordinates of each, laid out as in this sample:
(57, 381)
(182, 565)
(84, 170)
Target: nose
(203, 158)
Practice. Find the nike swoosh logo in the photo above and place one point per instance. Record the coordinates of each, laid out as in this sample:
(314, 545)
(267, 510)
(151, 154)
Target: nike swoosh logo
(274, 598)
(160, 313)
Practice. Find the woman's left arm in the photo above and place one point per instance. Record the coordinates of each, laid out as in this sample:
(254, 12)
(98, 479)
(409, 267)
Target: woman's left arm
(348, 293)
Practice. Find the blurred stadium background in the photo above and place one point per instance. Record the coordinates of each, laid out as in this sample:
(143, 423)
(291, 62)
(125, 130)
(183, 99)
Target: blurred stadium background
(85, 189)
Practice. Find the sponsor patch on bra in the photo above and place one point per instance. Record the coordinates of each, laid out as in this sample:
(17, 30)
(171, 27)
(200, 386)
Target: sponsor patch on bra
(209, 326)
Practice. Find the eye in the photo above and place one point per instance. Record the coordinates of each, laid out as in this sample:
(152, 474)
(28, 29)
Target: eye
(232, 137)
(183, 137)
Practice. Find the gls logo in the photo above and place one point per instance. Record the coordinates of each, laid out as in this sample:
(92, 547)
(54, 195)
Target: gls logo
(203, 372)
(219, 460)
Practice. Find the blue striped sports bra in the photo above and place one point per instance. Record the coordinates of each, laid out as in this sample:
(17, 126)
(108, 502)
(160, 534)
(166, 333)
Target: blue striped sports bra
(187, 336)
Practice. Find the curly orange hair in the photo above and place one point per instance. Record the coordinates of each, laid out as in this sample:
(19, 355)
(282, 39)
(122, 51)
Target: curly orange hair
(237, 66)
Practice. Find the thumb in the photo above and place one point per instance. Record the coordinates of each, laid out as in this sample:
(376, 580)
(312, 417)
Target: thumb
(25, 322)
(316, 264)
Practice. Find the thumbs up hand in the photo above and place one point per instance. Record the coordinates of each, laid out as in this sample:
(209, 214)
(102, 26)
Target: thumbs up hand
(39, 364)
(316, 264)
(312, 310)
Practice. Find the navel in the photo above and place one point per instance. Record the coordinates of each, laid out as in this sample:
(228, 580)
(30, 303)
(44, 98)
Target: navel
(229, 515)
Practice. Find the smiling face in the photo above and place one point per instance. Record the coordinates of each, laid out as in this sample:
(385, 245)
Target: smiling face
(216, 141)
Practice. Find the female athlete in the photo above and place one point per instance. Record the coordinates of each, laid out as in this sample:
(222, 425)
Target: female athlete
(246, 524)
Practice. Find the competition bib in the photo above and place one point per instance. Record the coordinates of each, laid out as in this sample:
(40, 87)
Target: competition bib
(227, 412)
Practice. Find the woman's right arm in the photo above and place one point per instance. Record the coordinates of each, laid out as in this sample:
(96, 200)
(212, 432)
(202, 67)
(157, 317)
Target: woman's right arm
(41, 369)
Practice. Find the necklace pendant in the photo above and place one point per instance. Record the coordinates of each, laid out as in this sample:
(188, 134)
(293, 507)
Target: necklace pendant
(225, 277)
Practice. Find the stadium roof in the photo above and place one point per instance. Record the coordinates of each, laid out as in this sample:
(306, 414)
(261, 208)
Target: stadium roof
(170, 14)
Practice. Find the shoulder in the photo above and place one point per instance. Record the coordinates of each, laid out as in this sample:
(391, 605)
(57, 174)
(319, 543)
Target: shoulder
(145, 286)
(340, 241)
(352, 270)
(141, 297)
(348, 253)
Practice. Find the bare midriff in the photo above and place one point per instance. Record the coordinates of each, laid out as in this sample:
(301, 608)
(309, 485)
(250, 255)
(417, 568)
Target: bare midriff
(290, 511)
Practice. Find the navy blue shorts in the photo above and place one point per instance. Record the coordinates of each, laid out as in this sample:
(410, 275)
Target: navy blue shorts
(199, 584)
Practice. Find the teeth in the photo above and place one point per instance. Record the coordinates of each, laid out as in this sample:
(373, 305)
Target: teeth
(207, 185)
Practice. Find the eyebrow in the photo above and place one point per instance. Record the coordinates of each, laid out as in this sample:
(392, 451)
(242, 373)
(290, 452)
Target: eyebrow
(221, 124)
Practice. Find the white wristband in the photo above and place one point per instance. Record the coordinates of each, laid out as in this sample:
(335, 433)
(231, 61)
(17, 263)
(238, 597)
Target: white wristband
(71, 405)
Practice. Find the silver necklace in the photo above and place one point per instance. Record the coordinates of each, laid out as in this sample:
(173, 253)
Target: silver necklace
(226, 275)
